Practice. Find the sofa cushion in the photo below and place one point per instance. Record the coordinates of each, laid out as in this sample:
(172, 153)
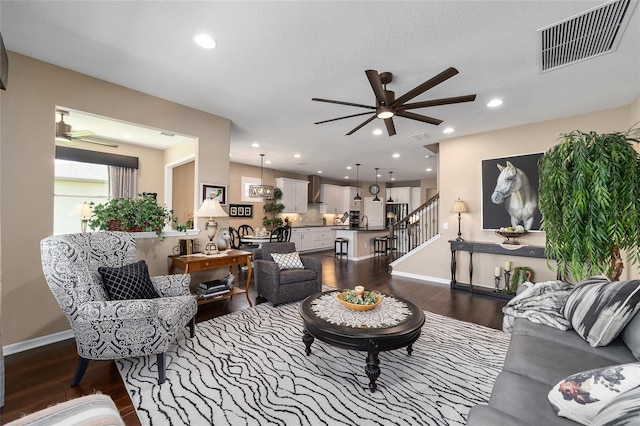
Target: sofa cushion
(599, 309)
(617, 351)
(549, 362)
(128, 282)
(287, 260)
(525, 399)
(631, 335)
(581, 396)
(623, 410)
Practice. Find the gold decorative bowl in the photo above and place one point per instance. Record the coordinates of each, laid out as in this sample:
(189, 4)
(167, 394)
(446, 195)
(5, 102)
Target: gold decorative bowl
(356, 307)
(511, 237)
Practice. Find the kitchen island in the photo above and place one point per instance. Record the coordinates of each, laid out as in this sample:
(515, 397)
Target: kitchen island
(361, 240)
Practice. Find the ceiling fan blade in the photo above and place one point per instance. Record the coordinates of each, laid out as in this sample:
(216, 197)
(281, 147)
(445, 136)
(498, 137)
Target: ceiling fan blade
(436, 102)
(432, 82)
(98, 140)
(340, 118)
(79, 133)
(423, 118)
(367, 121)
(343, 103)
(376, 85)
(391, 129)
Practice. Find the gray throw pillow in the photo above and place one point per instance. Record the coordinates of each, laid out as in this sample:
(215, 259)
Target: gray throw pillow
(128, 282)
(623, 410)
(598, 309)
(631, 335)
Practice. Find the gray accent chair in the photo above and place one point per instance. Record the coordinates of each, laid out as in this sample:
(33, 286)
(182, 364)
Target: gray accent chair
(287, 285)
(110, 329)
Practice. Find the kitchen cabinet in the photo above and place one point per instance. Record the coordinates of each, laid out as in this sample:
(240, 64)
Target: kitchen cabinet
(302, 238)
(294, 194)
(323, 238)
(334, 199)
(400, 195)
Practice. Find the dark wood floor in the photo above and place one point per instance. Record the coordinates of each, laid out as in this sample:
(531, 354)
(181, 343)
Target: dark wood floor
(40, 377)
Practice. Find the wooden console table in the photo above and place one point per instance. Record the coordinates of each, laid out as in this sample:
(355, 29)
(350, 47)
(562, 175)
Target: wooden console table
(476, 247)
(200, 262)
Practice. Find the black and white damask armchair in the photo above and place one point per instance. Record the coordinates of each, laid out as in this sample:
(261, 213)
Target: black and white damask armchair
(105, 328)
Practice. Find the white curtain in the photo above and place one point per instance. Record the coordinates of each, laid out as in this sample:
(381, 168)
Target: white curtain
(122, 182)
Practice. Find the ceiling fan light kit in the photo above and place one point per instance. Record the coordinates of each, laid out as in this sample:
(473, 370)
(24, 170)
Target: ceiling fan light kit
(387, 106)
(64, 133)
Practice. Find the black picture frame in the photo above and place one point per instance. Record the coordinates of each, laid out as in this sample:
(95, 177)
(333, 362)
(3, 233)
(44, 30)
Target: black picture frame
(241, 210)
(212, 188)
(495, 216)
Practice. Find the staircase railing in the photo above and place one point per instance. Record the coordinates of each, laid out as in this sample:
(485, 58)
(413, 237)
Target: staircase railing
(417, 227)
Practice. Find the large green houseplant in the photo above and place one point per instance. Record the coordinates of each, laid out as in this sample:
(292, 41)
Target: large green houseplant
(131, 214)
(589, 197)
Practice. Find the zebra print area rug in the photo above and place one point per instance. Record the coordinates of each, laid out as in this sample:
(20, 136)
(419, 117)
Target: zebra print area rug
(250, 367)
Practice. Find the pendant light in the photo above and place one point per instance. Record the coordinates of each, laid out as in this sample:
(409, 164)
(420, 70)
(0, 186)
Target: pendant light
(262, 190)
(357, 198)
(376, 199)
(390, 200)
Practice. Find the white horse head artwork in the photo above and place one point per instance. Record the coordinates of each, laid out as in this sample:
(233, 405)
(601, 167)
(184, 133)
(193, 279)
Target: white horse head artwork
(513, 189)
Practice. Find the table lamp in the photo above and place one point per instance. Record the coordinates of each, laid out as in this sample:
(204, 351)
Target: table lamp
(211, 208)
(84, 211)
(459, 207)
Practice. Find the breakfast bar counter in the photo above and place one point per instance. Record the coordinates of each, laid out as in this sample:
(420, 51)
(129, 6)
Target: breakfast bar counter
(361, 240)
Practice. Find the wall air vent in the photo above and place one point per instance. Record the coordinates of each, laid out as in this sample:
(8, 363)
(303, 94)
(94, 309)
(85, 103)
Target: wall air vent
(592, 33)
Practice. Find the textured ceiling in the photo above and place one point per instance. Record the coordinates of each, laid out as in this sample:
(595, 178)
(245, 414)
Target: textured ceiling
(273, 57)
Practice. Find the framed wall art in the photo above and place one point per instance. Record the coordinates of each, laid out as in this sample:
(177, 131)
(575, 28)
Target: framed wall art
(219, 192)
(241, 210)
(510, 192)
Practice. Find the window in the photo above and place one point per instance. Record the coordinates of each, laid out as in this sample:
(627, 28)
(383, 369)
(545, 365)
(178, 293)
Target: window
(76, 182)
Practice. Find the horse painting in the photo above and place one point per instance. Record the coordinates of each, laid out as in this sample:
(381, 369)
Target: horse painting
(513, 189)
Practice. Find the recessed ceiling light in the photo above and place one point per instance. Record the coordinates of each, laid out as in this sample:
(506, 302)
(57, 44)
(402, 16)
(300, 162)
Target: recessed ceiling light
(448, 130)
(494, 103)
(348, 167)
(426, 156)
(393, 178)
(255, 145)
(319, 172)
(296, 155)
(205, 41)
(346, 177)
(377, 131)
(429, 169)
(396, 155)
(267, 161)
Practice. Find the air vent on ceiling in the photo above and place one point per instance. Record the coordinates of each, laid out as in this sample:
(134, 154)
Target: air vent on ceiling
(592, 33)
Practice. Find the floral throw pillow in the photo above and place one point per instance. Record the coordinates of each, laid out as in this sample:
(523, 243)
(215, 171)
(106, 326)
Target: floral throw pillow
(288, 260)
(581, 396)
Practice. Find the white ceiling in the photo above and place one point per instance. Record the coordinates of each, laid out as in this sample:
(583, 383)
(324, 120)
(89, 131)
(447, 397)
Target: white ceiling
(273, 57)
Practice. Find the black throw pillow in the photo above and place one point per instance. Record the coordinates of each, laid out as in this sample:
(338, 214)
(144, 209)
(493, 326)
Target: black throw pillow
(128, 282)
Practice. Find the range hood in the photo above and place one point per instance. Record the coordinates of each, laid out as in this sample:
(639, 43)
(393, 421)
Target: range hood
(314, 190)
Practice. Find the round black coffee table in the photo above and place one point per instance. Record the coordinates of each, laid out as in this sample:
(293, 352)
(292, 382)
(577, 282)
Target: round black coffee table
(371, 340)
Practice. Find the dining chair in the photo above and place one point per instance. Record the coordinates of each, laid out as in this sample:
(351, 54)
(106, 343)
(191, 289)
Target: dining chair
(245, 230)
(280, 234)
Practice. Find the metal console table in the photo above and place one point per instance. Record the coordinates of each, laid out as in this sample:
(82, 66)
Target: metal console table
(476, 247)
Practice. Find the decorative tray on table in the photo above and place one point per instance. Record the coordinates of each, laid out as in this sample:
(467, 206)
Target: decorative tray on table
(350, 301)
(512, 234)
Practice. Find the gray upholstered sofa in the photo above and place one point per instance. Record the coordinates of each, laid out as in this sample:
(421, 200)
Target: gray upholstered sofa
(287, 285)
(538, 358)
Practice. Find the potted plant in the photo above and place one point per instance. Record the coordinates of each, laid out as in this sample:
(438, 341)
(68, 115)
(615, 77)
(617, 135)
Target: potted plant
(589, 197)
(273, 208)
(131, 215)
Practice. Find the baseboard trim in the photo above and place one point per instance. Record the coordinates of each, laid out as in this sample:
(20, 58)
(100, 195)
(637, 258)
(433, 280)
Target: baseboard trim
(435, 280)
(15, 348)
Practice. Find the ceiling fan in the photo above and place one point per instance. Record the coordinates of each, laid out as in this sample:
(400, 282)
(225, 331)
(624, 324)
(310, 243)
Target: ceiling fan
(64, 132)
(388, 106)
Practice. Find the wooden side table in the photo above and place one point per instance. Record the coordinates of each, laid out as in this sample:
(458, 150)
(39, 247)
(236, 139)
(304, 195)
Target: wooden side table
(200, 262)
